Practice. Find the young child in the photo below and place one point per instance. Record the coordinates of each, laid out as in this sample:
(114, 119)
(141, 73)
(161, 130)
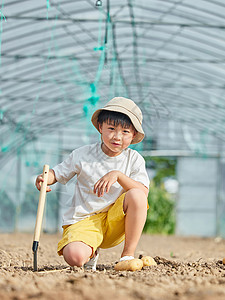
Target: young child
(110, 197)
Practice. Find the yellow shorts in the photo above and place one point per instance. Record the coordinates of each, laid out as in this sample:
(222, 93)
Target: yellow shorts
(103, 230)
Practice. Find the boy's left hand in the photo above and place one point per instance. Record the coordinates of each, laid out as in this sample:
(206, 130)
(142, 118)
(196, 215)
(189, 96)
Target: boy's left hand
(103, 184)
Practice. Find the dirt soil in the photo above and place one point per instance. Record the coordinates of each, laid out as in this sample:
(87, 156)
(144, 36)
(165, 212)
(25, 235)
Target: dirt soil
(187, 268)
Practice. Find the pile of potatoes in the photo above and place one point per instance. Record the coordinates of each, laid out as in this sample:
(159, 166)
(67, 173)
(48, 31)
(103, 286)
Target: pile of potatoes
(135, 264)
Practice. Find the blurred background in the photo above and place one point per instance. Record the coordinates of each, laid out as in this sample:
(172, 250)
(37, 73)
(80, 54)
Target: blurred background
(61, 60)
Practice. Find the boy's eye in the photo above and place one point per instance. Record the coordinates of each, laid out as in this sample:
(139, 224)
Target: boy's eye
(126, 131)
(111, 128)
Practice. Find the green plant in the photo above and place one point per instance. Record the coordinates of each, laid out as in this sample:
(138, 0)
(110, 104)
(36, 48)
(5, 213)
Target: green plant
(160, 217)
(163, 166)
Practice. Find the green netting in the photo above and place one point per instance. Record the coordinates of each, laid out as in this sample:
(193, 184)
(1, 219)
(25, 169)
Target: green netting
(61, 60)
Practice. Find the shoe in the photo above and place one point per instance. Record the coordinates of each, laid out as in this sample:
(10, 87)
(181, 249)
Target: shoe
(91, 264)
(126, 258)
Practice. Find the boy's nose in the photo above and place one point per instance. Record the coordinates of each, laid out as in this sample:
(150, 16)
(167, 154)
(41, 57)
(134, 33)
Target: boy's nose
(117, 135)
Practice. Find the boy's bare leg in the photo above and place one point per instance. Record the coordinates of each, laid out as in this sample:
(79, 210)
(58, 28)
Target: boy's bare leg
(77, 253)
(135, 208)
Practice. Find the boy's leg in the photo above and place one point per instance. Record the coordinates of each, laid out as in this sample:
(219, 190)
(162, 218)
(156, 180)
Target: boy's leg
(135, 208)
(77, 253)
(80, 240)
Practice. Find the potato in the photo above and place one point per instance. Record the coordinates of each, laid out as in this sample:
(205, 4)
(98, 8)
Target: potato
(122, 265)
(135, 264)
(148, 261)
(129, 265)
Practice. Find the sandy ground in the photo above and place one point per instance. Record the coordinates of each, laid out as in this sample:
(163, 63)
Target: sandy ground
(187, 268)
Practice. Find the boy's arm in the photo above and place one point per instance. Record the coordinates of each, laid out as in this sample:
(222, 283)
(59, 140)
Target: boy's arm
(51, 180)
(127, 183)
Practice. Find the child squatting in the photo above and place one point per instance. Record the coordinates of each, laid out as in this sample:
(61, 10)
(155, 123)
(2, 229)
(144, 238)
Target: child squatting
(109, 203)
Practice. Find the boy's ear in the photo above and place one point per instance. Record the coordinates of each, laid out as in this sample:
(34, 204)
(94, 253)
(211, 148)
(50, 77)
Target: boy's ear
(100, 127)
(135, 133)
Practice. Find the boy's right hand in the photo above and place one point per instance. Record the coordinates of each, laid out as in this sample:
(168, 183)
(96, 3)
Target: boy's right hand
(38, 182)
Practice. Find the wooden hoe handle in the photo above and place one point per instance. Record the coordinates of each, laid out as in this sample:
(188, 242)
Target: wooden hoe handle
(41, 204)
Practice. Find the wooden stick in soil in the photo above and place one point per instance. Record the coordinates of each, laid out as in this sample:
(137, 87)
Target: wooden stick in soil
(40, 212)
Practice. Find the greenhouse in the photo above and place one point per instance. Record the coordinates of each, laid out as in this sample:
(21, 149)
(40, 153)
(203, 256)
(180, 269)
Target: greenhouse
(134, 210)
(61, 60)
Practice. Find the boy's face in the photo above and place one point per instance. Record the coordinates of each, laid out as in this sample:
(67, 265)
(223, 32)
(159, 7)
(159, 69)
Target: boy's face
(115, 138)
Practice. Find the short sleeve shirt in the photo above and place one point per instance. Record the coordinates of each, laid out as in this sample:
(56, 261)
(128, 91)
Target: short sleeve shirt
(89, 163)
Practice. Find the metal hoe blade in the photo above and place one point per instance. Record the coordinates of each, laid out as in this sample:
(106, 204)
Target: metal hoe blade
(35, 248)
(35, 261)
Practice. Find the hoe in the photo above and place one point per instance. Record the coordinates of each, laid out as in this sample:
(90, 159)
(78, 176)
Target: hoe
(40, 212)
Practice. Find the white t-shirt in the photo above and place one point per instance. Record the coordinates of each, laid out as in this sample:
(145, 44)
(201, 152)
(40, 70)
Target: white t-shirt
(90, 163)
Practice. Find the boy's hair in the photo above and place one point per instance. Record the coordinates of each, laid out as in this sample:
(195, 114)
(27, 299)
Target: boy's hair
(115, 118)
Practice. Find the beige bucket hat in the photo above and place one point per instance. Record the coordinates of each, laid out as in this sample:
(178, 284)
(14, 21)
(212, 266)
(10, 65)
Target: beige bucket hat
(127, 107)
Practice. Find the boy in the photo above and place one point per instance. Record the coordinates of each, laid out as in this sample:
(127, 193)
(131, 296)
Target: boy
(110, 197)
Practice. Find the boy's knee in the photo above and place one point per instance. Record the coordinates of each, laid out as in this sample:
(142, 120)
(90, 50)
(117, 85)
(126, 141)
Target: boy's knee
(136, 195)
(135, 198)
(74, 258)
